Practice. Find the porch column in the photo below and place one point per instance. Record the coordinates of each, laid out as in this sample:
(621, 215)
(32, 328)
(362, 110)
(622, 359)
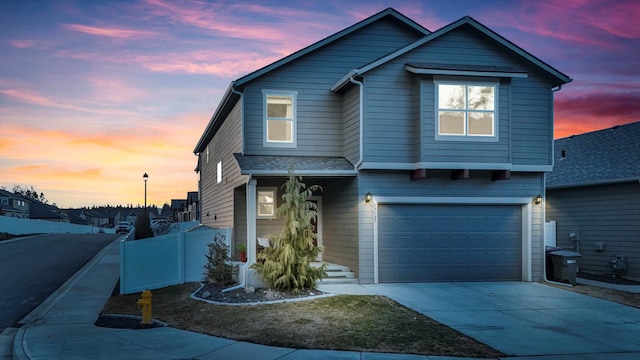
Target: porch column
(251, 222)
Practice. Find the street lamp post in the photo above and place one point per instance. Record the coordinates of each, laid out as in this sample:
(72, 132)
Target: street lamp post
(145, 177)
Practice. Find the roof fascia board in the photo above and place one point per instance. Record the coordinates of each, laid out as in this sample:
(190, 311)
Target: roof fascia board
(416, 70)
(204, 139)
(595, 183)
(318, 173)
(454, 25)
(389, 11)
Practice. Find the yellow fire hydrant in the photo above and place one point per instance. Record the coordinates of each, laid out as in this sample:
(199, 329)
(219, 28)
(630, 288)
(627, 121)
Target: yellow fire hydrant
(144, 304)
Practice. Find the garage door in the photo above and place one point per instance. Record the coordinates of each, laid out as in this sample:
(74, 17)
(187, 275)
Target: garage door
(421, 243)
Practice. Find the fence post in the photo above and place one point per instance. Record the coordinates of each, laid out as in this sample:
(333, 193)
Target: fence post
(123, 276)
(181, 254)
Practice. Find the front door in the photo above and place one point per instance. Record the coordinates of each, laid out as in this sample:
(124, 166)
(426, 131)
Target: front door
(317, 224)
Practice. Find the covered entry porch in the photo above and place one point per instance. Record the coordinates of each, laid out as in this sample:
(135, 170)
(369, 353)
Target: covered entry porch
(255, 205)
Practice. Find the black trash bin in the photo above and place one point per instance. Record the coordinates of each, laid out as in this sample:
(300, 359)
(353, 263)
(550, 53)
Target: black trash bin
(549, 263)
(565, 265)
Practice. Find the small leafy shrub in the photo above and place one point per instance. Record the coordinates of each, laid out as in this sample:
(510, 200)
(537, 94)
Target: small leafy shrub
(143, 227)
(218, 269)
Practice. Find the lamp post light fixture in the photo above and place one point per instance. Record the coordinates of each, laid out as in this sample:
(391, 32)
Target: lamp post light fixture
(145, 177)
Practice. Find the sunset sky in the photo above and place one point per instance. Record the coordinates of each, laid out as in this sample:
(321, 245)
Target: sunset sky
(93, 94)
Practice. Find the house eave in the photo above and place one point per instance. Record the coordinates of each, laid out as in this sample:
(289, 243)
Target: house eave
(594, 183)
(228, 100)
(559, 77)
(298, 54)
(436, 71)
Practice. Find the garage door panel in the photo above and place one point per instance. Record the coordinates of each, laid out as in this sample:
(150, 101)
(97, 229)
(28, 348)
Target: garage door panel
(449, 243)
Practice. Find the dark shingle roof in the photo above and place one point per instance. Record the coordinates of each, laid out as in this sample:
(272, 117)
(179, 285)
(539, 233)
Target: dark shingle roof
(301, 165)
(600, 157)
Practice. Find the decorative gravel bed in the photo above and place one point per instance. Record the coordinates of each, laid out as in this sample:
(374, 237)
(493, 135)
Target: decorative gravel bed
(213, 292)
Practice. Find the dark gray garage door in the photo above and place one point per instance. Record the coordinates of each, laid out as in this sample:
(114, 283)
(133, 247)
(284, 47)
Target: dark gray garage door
(420, 243)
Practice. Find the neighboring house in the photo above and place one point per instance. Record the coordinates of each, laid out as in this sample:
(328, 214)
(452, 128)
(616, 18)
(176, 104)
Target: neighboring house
(449, 133)
(41, 211)
(593, 195)
(14, 205)
(178, 207)
(193, 207)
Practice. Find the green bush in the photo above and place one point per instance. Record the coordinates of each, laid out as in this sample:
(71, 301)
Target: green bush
(286, 264)
(218, 269)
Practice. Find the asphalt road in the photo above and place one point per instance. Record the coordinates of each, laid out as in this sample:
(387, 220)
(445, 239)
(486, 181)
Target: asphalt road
(32, 268)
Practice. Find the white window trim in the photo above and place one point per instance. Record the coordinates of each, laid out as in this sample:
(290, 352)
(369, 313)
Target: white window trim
(274, 190)
(473, 138)
(294, 127)
(219, 172)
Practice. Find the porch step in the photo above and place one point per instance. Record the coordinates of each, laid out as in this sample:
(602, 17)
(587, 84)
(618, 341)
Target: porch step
(337, 274)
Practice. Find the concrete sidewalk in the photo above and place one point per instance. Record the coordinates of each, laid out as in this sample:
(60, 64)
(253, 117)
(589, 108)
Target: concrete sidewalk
(62, 328)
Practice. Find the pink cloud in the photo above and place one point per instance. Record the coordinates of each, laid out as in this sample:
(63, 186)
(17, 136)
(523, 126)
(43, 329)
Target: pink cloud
(591, 23)
(593, 111)
(87, 106)
(111, 32)
(22, 44)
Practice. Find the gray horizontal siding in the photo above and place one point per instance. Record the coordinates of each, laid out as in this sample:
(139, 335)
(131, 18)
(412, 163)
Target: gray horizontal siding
(217, 199)
(609, 214)
(340, 223)
(351, 125)
(320, 123)
(393, 95)
(439, 183)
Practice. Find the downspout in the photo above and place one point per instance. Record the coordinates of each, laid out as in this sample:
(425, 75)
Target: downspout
(361, 113)
(544, 205)
(244, 266)
(241, 95)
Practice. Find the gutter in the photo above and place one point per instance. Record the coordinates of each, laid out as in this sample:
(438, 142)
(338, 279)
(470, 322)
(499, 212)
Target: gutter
(361, 114)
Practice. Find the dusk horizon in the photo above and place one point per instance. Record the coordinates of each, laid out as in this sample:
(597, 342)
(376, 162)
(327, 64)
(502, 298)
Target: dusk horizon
(94, 95)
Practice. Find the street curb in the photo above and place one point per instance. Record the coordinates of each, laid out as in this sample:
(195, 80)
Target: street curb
(19, 350)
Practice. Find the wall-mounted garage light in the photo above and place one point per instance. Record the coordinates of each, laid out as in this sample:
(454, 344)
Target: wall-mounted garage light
(368, 197)
(538, 200)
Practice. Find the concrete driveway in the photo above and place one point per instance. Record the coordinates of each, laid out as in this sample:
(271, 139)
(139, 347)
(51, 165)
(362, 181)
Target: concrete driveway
(524, 319)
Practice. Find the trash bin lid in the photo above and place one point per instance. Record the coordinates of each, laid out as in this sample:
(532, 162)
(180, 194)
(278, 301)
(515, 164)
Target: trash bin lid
(566, 253)
(552, 248)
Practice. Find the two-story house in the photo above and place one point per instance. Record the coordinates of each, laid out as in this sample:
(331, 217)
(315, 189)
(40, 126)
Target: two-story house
(430, 147)
(14, 205)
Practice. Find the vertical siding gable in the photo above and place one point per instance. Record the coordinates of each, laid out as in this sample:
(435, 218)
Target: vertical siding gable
(320, 111)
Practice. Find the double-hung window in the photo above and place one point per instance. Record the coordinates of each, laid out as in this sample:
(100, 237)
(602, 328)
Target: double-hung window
(466, 110)
(267, 203)
(279, 118)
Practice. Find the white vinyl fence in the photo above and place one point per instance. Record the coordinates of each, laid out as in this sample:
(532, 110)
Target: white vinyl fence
(17, 226)
(166, 260)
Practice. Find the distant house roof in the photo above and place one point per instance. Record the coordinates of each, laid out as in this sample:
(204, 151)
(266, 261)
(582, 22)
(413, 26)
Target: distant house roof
(38, 210)
(231, 96)
(192, 196)
(301, 165)
(600, 157)
(178, 204)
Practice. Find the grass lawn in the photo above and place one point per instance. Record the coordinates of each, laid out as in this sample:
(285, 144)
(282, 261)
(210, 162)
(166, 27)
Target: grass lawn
(344, 322)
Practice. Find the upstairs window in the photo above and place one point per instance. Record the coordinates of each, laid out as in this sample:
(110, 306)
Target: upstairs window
(466, 110)
(280, 118)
